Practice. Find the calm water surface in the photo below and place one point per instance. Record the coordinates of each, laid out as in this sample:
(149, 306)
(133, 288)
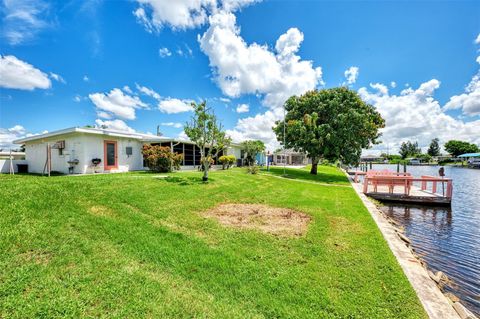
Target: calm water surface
(448, 239)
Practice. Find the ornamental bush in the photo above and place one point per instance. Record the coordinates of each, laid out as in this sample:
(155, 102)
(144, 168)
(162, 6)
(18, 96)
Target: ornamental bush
(161, 159)
(253, 169)
(203, 161)
(227, 161)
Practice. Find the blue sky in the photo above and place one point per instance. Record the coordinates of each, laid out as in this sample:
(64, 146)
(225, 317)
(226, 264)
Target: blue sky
(132, 65)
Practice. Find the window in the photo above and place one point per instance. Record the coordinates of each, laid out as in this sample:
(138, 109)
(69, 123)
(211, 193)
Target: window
(189, 155)
(60, 151)
(129, 150)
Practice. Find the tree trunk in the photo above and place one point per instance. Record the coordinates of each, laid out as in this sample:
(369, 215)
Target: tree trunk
(313, 170)
(206, 166)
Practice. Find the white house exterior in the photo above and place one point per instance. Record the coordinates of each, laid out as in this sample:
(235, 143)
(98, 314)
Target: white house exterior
(73, 149)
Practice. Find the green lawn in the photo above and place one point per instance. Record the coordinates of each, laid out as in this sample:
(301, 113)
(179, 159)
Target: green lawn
(134, 245)
(325, 174)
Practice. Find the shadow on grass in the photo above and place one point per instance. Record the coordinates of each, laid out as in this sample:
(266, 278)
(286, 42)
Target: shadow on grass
(325, 174)
(184, 181)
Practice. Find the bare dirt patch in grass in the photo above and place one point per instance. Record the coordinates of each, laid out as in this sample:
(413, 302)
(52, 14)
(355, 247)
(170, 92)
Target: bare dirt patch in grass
(103, 211)
(38, 257)
(271, 220)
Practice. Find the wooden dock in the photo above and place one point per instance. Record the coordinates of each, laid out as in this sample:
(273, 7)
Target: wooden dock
(404, 188)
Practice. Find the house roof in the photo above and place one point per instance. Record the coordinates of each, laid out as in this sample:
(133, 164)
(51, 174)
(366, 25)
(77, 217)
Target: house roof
(6, 153)
(470, 155)
(91, 130)
(371, 156)
(147, 138)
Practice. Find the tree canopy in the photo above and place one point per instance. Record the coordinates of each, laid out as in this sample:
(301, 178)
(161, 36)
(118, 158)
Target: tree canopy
(434, 148)
(334, 124)
(251, 148)
(455, 147)
(409, 149)
(205, 131)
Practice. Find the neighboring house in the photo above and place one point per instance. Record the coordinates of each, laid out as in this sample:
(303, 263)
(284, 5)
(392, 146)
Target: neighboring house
(15, 155)
(441, 158)
(371, 158)
(289, 157)
(473, 159)
(73, 149)
(414, 161)
(7, 163)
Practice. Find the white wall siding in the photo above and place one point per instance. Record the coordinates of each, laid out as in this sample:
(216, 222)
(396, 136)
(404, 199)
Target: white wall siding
(84, 148)
(5, 165)
(234, 150)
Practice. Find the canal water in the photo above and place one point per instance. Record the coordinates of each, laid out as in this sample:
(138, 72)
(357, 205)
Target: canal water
(447, 239)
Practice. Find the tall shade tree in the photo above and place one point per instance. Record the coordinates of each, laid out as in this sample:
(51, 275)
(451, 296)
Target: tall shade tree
(434, 148)
(455, 148)
(333, 124)
(205, 131)
(409, 149)
(251, 148)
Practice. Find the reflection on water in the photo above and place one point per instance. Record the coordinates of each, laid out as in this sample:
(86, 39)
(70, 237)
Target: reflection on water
(447, 239)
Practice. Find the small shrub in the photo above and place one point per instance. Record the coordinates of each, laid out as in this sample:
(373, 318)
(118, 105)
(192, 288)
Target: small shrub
(161, 159)
(210, 163)
(227, 161)
(253, 169)
(324, 162)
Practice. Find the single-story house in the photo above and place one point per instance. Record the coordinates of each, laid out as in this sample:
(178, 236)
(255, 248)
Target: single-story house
(414, 161)
(371, 158)
(288, 157)
(473, 159)
(82, 150)
(9, 161)
(15, 155)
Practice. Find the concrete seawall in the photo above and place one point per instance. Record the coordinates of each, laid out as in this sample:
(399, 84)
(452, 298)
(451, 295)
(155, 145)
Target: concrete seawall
(436, 304)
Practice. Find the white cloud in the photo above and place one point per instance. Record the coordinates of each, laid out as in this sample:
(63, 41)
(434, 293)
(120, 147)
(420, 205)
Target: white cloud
(181, 14)
(8, 135)
(183, 136)
(393, 84)
(417, 116)
(469, 101)
(23, 19)
(224, 99)
(382, 89)
(257, 127)
(117, 103)
(104, 115)
(173, 105)
(86, 78)
(164, 52)
(172, 124)
(17, 74)
(242, 68)
(127, 89)
(351, 74)
(243, 108)
(252, 69)
(57, 78)
(77, 98)
(186, 52)
(117, 125)
(148, 91)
